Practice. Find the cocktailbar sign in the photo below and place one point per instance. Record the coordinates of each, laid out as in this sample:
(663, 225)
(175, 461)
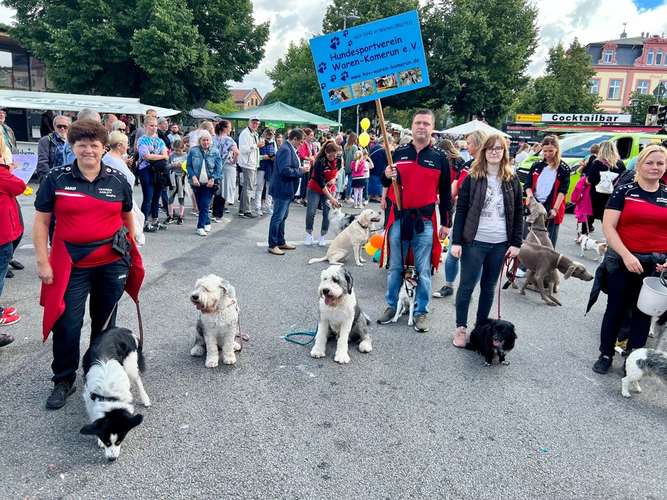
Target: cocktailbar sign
(585, 118)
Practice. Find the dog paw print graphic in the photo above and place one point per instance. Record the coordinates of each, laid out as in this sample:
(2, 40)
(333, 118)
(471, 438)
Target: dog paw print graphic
(335, 42)
(344, 76)
(322, 67)
(333, 78)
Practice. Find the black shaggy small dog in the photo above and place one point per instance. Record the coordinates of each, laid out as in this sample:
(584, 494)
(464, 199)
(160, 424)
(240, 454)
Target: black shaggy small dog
(491, 337)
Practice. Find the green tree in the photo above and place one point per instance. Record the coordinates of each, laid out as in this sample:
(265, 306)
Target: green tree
(477, 54)
(365, 10)
(222, 108)
(565, 87)
(176, 53)
(639, 104)
(294, 80)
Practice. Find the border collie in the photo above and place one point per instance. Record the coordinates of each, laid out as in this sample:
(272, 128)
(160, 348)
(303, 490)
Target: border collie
(112, 363)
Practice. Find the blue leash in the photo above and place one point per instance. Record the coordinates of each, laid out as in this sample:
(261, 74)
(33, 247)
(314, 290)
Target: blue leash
(289, 337)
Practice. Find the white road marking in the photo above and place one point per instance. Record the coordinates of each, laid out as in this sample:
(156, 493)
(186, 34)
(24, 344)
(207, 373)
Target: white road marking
(27, 246)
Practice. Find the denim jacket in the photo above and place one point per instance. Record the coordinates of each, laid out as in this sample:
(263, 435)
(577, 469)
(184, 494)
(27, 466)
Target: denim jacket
(212, 160)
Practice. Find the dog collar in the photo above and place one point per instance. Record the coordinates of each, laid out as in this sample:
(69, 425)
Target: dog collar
(365, 227)
(558, 261)
(96, 397)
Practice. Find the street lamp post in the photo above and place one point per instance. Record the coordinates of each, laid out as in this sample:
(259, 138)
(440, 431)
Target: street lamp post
(352, 17)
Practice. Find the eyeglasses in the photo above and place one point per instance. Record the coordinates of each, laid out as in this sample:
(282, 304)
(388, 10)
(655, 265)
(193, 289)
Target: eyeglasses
(495, 149)
(122, 129)
(62, 126)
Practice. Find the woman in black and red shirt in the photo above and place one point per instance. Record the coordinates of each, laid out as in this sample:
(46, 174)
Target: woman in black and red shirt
(322, 188)
(92, 252)
(634, 223)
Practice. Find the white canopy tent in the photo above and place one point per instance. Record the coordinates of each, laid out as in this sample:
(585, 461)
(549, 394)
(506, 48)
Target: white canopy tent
(24, 99)
(470, 127)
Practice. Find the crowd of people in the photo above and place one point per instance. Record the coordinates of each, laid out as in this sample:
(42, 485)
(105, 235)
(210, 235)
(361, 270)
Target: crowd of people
(467, 190)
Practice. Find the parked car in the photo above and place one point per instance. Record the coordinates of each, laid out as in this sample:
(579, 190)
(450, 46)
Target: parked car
(576, 147)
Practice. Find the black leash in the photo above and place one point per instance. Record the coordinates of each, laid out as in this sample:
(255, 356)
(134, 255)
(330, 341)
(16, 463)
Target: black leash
(141, 326)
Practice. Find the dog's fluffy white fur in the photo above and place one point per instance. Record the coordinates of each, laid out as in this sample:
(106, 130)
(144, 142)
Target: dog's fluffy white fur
(111, 367)
(218, 322)
(351, 239)
(585, 242)
(641, 363)
(340, 315)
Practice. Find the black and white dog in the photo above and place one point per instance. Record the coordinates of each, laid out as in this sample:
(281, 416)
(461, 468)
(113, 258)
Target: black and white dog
(407, 295)
(111, 366)
(340, 315)
(492, 337)
(641, 363)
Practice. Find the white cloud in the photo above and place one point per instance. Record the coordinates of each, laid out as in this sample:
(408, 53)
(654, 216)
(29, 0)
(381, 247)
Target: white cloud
(559, 21)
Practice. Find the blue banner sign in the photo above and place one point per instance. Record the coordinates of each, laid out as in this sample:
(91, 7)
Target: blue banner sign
(370, 61)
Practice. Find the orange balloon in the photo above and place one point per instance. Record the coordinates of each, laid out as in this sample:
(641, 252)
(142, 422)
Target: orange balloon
(376, 240)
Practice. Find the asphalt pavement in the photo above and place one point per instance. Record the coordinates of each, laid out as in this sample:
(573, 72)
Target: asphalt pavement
(416, 418)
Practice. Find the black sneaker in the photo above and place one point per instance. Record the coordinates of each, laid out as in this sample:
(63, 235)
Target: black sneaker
(149, 228)
(179, 221)
(15, 264)
(58, 398)
(602, 365)
(445, 291)
(10, 273)
(250, 215)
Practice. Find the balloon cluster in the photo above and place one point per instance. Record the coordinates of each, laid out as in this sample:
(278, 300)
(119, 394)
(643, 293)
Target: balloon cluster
(374, 247)
(364, 138)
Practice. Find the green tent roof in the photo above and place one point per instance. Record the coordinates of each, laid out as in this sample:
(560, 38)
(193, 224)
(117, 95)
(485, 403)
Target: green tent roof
(281, 112)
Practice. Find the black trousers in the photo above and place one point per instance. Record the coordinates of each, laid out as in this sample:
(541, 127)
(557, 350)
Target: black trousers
(105, 284)
(623, 292)
(218, 206)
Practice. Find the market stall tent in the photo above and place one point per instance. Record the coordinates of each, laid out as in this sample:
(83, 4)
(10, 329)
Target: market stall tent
(25, 99)
(470, 127)
(281, 112)
(203, 114)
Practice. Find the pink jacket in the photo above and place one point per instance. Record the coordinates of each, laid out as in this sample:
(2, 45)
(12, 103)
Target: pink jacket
(581, 197)
(358, 168)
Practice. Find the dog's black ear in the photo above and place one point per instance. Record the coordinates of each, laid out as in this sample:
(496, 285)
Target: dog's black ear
(91, 429)
(135, 420)
(349, 279)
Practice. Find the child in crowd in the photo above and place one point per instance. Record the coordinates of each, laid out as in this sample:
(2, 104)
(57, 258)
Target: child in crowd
(10, 229)
(360, 172)
(177, 177)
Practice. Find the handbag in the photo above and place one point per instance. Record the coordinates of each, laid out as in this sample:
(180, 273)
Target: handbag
(606, 184)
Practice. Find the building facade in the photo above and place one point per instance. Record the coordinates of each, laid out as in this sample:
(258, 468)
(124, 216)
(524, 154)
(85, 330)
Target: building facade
(627, 65)
(18, 69)
(246, 98)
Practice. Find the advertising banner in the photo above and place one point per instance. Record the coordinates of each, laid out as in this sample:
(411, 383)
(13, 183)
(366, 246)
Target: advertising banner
(370, 61)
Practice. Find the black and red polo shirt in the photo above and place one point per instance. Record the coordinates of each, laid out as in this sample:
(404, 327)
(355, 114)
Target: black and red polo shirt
(643, 217)
(422, 177)
(86, 211)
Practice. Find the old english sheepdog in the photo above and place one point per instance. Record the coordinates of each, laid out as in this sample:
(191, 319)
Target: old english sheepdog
(340, 315)
(218, 323)
(642, 363)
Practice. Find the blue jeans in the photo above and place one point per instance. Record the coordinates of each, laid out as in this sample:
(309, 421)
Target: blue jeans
(479, 260)
(422, 246)
(374, 186)
(203, 195)
(451, 270)
(6, 252)
(149, 203)
(314, 199)
(277, 224)
(348, 187)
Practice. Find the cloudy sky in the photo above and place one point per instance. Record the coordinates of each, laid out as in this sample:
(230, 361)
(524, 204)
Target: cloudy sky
(561, 20)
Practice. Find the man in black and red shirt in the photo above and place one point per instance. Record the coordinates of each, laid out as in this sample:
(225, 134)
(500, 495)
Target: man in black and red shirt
(422, 173)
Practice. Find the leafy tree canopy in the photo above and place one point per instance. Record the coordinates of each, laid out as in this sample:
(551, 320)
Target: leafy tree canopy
(175, 53)
(565, 88)
(365, 10)
(639, 104)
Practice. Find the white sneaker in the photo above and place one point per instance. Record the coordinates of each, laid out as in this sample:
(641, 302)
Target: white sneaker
(309, 240)
(207, 228)
(520, 273)
(322, 242)
(365, 203)
(201, 232)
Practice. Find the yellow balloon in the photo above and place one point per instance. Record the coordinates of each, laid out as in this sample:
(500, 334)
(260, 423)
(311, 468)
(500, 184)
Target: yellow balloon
(365, 123)
(370, 249)
(364, 139)
(28, 191)
(184, 166)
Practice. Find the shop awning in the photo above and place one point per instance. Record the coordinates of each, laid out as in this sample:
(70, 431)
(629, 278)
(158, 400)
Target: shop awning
(281, 112)
(24, 99)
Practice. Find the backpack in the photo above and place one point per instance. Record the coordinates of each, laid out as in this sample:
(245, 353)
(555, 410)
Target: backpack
(606, 184)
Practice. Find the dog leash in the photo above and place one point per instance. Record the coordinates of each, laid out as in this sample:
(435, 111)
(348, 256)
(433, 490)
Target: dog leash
(141, 326)
(512, 264)
(292, 337)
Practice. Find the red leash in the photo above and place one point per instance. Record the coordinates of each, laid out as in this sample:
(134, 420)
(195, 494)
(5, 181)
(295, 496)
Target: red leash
(511, 264)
